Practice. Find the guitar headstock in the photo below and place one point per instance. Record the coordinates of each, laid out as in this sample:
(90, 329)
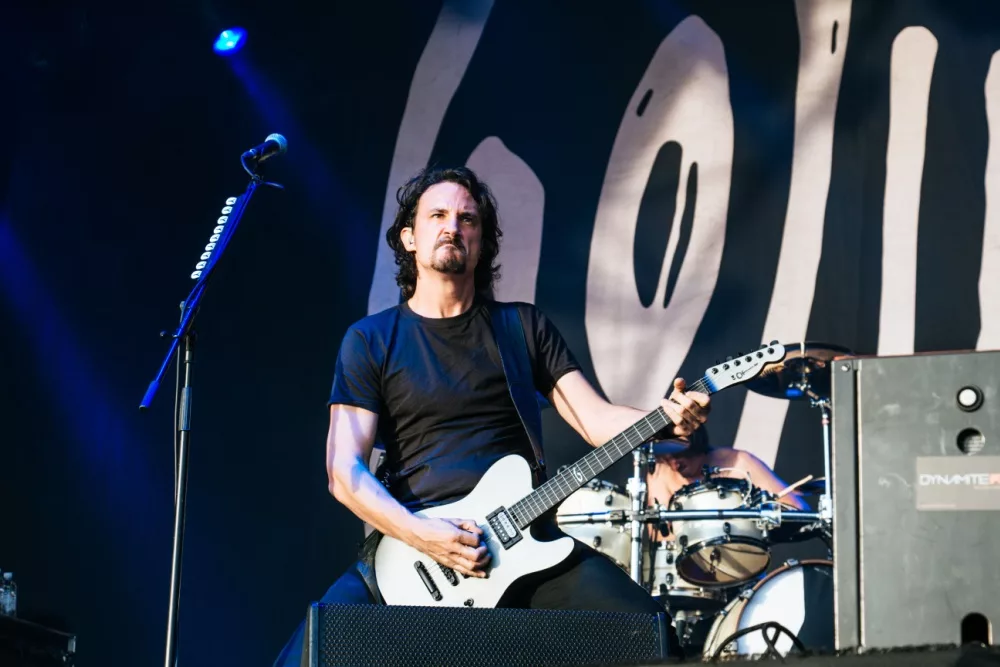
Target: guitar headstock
(746, 366)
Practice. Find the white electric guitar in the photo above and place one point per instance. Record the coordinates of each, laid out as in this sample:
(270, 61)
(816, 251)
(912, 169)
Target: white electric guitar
(503, 505)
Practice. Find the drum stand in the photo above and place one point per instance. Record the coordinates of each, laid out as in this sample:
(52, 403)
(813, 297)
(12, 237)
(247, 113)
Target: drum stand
(636, 488)
(826, 499)
(808, 377)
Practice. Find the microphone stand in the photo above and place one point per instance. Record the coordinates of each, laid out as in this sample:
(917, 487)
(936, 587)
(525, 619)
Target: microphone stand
(184, 335)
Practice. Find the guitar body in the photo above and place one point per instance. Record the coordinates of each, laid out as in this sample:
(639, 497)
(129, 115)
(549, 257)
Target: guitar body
(507, 481)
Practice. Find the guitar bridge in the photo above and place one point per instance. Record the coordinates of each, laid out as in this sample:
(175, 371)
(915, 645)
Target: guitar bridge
(504, 528)
(428, 582)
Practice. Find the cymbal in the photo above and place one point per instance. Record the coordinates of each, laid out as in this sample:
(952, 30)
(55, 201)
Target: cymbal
(804, 373)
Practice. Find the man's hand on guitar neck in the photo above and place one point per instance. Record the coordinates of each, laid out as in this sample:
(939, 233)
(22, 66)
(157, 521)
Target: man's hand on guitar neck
(454, 543)
(688, 410)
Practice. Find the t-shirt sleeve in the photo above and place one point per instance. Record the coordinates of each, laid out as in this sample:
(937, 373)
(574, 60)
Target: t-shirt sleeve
(550, 356)
(356, 377)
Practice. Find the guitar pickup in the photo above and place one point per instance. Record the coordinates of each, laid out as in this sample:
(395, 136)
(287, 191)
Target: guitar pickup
(504, 528)
(428, 582)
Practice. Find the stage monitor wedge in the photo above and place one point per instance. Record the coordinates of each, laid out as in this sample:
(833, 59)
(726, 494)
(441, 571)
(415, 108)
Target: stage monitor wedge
(400, 636)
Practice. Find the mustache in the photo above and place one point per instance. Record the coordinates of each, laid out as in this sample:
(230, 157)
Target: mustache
(450, 240)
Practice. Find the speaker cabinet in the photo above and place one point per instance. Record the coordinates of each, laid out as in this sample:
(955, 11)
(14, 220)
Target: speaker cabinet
(384, 636)
(916, 495)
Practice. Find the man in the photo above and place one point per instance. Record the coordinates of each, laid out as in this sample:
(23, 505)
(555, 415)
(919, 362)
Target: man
(425, 379)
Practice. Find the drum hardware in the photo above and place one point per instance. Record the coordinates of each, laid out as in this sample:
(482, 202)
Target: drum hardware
(636, 487)
(610, 518)
(692, 627)
(825, 500)
(804, 374)
(617, 517)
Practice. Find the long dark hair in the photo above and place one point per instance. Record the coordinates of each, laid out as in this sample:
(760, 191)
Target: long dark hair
(408, 196)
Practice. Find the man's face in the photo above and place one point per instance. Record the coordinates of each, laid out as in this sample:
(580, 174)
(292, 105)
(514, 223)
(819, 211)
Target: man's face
(447, 233)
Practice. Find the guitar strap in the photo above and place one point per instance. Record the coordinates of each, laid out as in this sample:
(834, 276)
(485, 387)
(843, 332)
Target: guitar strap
(508, 329)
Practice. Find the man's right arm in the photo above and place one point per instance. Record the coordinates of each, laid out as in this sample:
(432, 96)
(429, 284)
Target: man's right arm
(451, 542)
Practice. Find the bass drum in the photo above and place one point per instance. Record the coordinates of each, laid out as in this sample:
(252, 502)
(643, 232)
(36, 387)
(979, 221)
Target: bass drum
(798, 596)
(614, 541)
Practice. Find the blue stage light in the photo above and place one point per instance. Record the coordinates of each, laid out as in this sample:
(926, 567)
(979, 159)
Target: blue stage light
(230, 41)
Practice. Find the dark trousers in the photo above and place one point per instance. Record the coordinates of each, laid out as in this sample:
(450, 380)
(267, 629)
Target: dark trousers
(586, 580)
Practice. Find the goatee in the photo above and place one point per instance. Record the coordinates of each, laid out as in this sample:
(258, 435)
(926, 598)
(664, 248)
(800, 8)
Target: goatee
(454, 263)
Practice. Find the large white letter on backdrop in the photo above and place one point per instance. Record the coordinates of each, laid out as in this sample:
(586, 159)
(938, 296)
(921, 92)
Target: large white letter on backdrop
(438, 74)
(913, 53)
(802, 240)
(521, 199)
(636, 350)
(989, 274)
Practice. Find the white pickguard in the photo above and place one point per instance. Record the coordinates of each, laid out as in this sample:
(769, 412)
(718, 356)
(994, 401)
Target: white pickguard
(506, 482)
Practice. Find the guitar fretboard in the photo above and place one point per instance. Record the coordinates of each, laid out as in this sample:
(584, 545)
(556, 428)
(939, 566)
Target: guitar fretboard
(573, 477)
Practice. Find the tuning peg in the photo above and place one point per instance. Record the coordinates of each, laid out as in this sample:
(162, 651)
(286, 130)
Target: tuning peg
(774, 342)
(717, 362)
(763, 347)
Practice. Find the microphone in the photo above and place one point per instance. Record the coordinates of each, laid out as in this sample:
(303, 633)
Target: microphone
(275, 144)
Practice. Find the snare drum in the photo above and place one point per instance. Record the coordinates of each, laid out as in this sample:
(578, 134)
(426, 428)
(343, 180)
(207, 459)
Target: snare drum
(717, 553)
(674, 592)
(597, 497)
(797, 595)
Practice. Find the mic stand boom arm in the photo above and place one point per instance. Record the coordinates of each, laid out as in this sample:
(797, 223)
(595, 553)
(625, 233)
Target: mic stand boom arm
(184, 334)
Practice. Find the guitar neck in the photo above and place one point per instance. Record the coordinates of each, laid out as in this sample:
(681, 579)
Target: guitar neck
(573, 477)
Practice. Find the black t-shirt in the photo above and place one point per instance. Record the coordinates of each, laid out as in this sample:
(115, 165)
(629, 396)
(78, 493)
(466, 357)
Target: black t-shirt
(437, 385)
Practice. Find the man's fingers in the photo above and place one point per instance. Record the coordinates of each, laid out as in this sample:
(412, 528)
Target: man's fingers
(681, 427)
(685, 401)
(695, 403)
(684, 422)
(472, 555)
(702, 399)
(467, 567)
(469, 525)
(468, 539)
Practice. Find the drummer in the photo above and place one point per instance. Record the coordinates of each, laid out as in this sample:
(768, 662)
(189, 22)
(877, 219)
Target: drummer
(680, 461)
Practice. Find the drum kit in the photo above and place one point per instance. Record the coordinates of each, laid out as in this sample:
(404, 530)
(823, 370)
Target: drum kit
(705, 554)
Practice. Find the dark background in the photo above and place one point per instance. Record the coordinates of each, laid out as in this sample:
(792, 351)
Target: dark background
(122, 136)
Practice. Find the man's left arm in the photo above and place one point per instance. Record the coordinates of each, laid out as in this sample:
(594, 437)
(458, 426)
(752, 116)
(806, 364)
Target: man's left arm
(598, 421)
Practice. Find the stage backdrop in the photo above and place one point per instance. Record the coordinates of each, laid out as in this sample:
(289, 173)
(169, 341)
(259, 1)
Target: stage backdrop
(678, 182)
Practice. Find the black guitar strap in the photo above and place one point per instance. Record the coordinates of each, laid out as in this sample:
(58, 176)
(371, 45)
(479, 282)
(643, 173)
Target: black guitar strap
(508, 329)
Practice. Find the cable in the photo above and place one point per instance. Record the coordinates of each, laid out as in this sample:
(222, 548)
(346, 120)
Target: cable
(770, 641)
